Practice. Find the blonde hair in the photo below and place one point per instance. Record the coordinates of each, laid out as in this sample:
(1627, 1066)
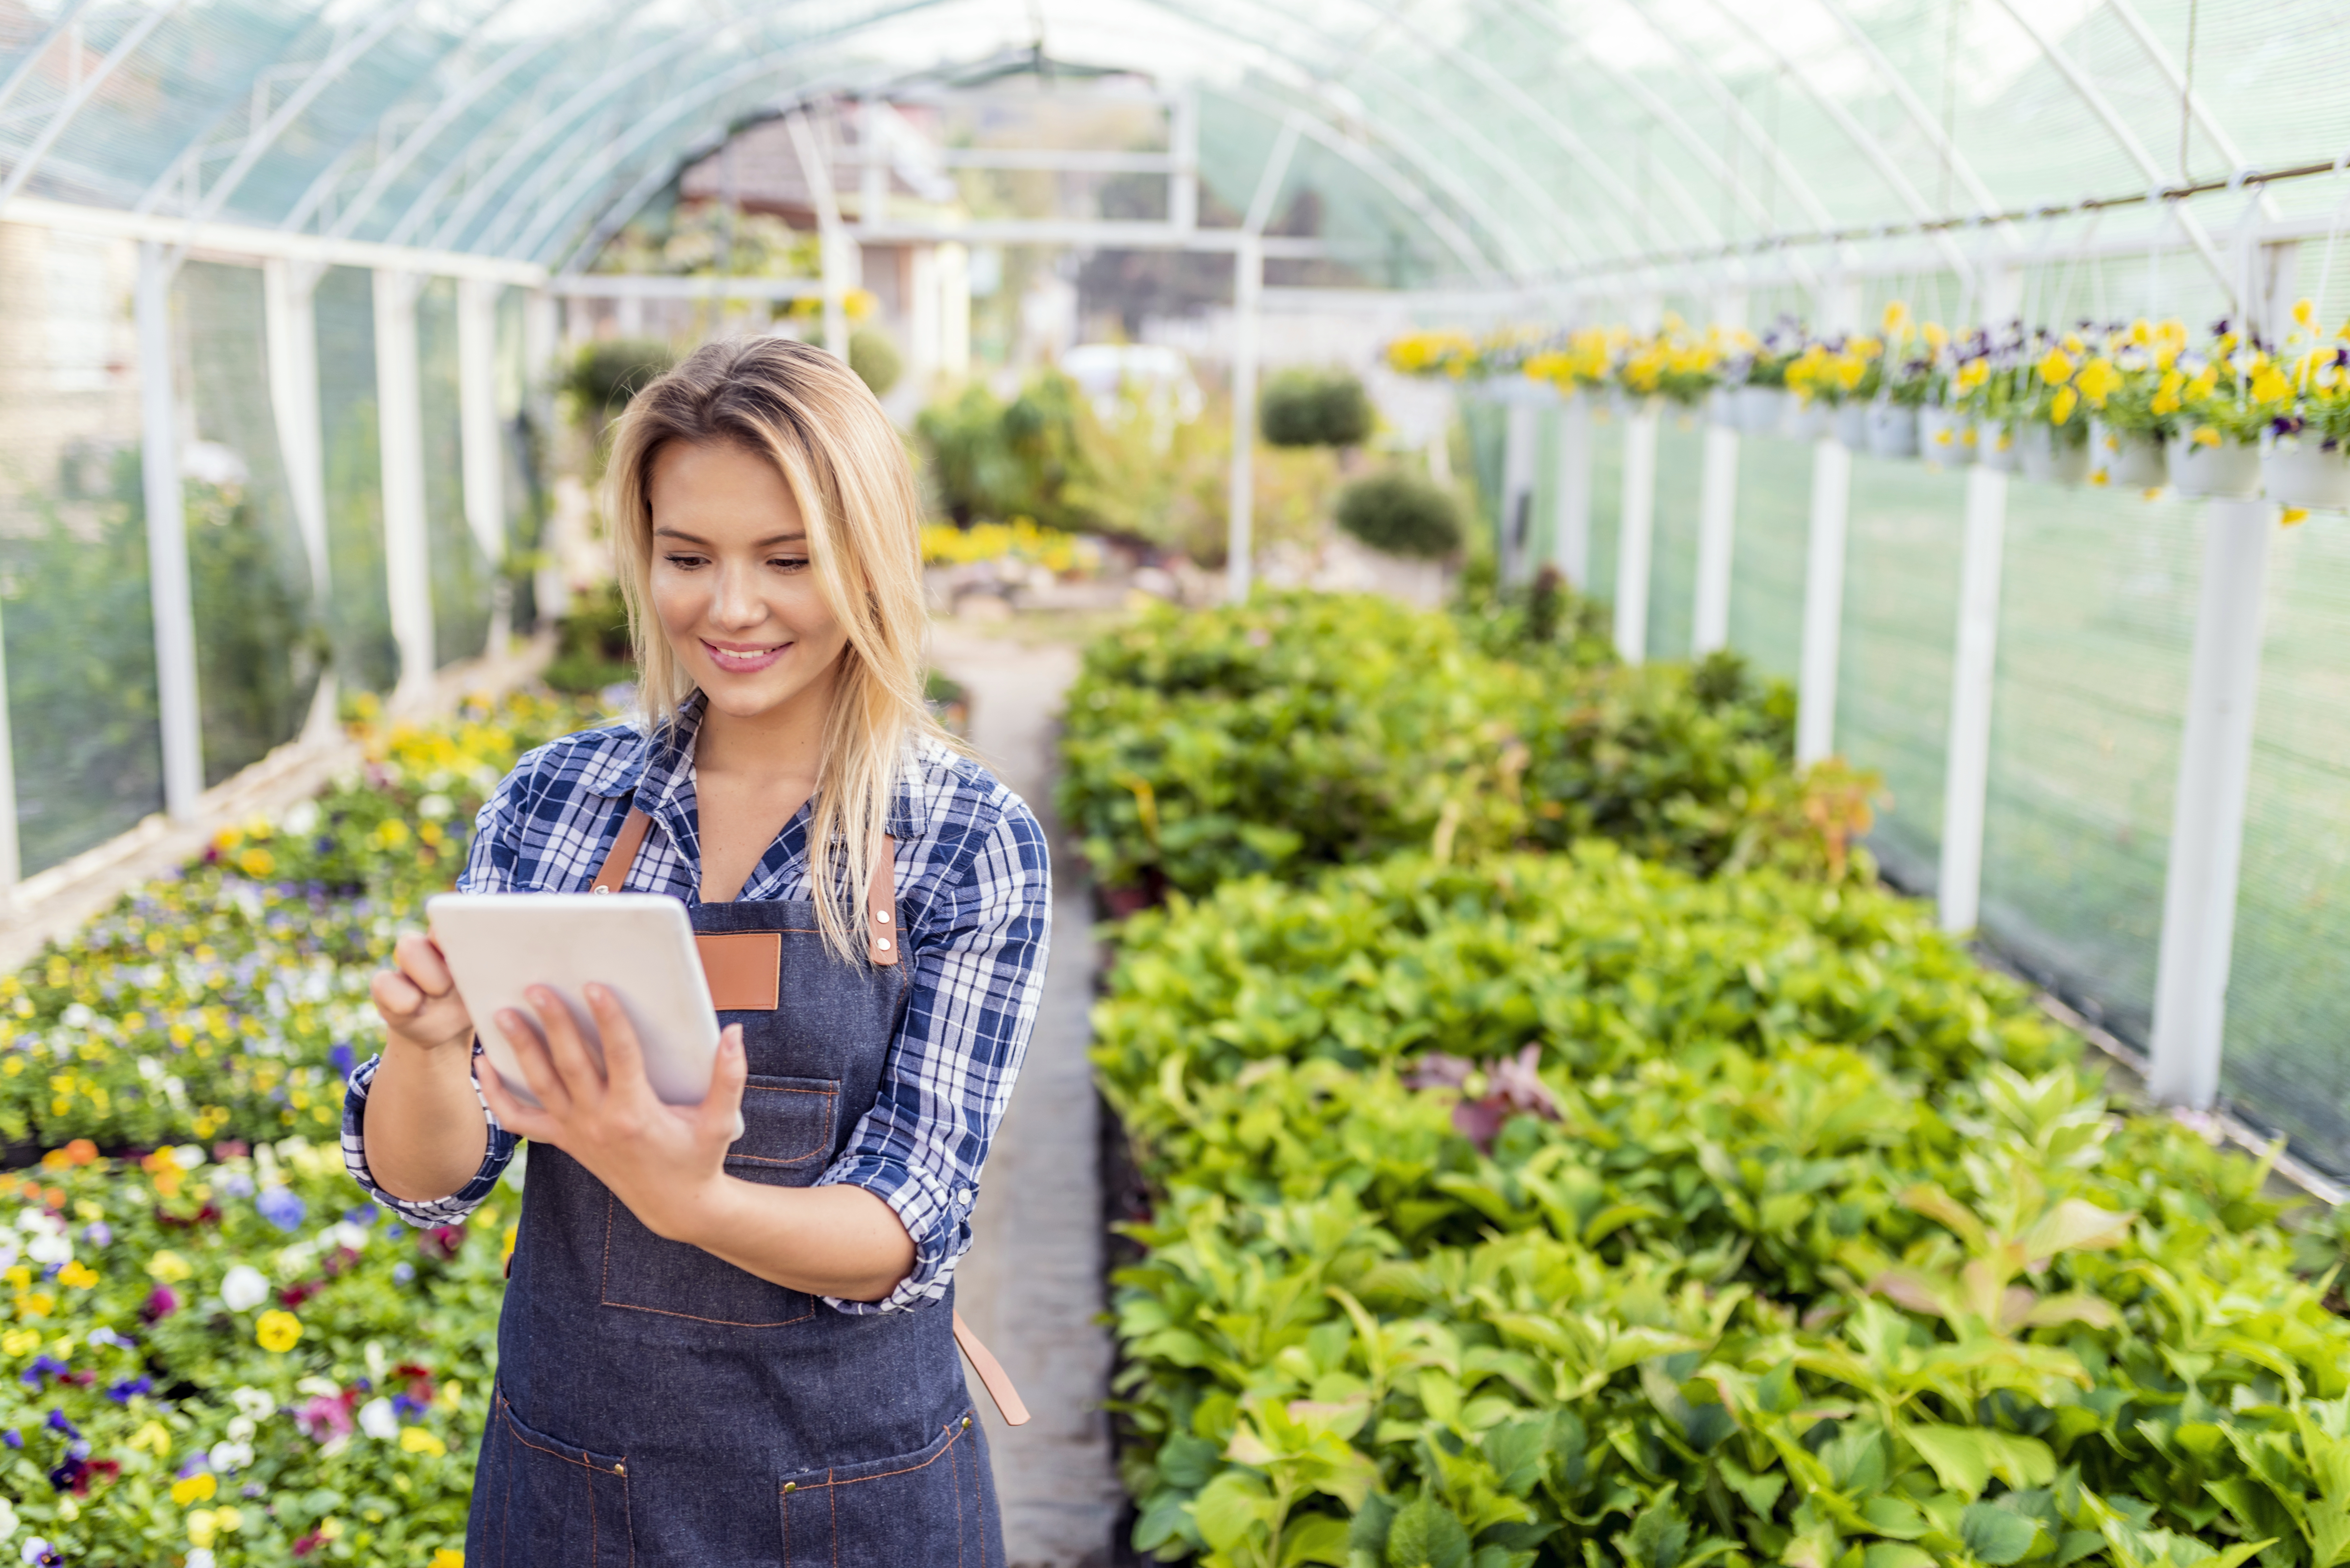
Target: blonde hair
(848, 474)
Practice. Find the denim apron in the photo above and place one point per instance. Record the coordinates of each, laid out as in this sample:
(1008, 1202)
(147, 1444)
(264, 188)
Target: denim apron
(656, 1405)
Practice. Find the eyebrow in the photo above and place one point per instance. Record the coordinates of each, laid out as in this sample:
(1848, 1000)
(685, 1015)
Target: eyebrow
(770, 539)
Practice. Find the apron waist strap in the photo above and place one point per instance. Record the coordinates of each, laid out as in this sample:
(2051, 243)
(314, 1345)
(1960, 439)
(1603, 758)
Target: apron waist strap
(992, 1375)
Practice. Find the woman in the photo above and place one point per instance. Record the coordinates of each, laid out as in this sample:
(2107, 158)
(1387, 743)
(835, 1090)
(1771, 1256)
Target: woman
(721, 1349)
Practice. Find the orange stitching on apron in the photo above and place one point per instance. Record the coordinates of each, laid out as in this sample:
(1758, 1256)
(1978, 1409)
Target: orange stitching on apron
(823, 1147)
(833, 1497)
(611, 1203)
(885, 1475)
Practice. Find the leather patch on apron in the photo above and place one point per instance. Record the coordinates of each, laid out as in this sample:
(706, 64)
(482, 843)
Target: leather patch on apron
(743, 968)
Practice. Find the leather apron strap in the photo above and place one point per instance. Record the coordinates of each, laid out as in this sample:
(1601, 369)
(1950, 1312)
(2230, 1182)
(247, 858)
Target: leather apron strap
(882, 948)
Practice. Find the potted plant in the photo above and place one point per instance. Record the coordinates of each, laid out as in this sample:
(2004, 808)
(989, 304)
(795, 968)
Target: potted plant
(2052, 427)
(1673, 366)
(1763, 400)
(1946, 424)
(2216, 449)
(2306, 453)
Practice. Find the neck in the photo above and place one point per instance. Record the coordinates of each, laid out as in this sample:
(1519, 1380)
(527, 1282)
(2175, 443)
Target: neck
(786, 741)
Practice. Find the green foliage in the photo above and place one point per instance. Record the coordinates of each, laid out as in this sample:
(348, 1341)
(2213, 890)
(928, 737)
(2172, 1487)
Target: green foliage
(989, 459)
(592, 650)
(1314, 407)
(1301, 730)
(1402, 514)
(1741, 1219)
(605, 374)
(875, 358)
(1545, 619)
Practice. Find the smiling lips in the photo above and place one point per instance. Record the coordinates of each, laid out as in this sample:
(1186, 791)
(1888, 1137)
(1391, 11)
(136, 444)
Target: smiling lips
(737, 660)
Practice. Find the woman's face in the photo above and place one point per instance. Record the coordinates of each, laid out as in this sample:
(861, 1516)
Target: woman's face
(732, 582)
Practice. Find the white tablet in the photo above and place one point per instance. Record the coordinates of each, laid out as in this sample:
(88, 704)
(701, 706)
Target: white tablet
(641, 945)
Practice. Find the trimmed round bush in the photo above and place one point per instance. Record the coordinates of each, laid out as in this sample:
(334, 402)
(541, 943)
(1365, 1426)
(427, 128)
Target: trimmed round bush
(1314, 407)
(1401, 514)
(875, 359)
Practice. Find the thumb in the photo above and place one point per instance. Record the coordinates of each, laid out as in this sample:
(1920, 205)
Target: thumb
(721, 1109)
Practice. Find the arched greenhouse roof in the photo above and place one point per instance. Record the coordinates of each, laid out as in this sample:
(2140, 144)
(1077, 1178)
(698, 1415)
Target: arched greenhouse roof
(1520, 142)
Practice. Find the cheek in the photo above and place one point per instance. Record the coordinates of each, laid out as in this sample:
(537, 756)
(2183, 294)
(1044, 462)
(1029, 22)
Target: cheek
(679, 600)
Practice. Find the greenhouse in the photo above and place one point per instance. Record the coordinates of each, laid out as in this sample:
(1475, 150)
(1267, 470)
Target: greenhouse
(1673, 661)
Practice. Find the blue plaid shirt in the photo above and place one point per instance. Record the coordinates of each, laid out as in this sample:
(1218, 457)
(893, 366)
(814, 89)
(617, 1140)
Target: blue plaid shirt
(972, 869)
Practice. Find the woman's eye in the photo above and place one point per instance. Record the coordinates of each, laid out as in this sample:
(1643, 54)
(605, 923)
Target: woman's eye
(788, 562)
(684, 563)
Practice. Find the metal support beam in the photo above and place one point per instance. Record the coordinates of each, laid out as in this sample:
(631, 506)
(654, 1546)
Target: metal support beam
(1636, 533)
(1570, 542)
(1183, 142)
(481, 449)
(829, 238)
(166, 540)
(290, 328)
(1522, 435)
(1816, 686)
(2206, 827)
(1248, 283)
(399, 412)
(1717, 516)
(63, 115)
(1974, 669)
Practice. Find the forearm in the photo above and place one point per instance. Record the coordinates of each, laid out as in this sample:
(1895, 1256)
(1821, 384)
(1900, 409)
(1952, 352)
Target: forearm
(838, 1240)
(423, 1127)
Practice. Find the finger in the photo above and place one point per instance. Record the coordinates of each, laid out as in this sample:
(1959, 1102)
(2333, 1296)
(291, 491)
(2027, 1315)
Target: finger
(539, 1070)
(624, 1055)
(719, 1115)
(397, 997)
(567, 1048)
(419, 958)
(523, 1121)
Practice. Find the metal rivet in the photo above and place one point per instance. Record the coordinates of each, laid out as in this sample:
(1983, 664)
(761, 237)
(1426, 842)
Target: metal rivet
(881, 942)
(791, 1486)
(882, 916)
(620, 1469)
(966, 1423)
(599, 890)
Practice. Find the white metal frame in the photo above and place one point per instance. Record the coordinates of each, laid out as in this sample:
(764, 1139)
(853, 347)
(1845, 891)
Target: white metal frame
(180, 712)
(1636, 531)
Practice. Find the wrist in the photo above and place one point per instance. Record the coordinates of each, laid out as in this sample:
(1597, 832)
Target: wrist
(698, 1213)
(401, 1043)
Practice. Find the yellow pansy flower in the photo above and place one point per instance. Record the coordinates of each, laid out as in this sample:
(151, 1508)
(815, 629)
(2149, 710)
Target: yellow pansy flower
(201, 1525)
(79, 1274)
(154, 1437)
(168, 1267)
(277, 1331)
(447, 1557)
(2099, 381)
(2060, 408)
(197, 1488)
(417, 1440)
(2056, 367)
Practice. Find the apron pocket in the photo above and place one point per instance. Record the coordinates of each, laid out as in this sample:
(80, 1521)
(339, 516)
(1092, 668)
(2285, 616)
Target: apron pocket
(787, 1131)
(543, 1500)
(924, 1507)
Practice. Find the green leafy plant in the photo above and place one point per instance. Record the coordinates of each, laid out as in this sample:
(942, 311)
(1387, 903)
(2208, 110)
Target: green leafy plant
(875, 357)
(1314, 407)
(1401, 514)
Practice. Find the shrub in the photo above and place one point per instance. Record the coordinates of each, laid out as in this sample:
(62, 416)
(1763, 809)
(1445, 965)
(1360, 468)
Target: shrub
(1314, 407)
(1515, 1209)
(1302, 731)
(1401, 514)
(592, 651)
(875, 358)
(605, 374)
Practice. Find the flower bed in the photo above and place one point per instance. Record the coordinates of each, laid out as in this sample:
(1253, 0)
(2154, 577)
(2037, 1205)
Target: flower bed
(1559, 1209)
(1301, 730)
(215, 1352)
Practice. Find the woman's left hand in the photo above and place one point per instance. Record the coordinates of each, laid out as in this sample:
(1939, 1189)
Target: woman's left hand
(666, 1162)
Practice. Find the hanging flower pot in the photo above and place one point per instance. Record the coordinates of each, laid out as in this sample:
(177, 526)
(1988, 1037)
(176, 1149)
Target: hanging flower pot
(1995, 446)
(1851, 426)
(1762, 411)
(2131, 460)
(2048, 455)
(2220, 468)
(1945, 439)
(1892, 430)
(1811, 421)
(2302, 471)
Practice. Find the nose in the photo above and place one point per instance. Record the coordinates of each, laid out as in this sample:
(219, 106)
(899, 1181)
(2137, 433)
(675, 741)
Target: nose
(736, 605)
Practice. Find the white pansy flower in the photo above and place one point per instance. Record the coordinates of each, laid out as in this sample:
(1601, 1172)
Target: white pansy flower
(253, 1403)
(301, 817)
(347, 1235)
(202, 1557)
(241, 1427)
(227, 1459)
(434, 807)
(77, 1016)
(244, 1288)
(377, 1420)
(7, 1519)
(46, 1249)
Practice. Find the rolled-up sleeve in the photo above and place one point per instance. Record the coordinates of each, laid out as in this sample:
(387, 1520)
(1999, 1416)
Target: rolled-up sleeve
(978, 955)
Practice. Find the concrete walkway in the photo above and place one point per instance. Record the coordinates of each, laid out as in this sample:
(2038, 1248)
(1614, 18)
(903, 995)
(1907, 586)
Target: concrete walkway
(1031, 1285)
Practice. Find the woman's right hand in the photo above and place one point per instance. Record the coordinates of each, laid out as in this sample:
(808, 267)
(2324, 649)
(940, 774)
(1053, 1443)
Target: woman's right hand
(418, 997)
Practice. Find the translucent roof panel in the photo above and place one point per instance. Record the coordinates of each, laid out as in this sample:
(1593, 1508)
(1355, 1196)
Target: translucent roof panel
(1476, 142)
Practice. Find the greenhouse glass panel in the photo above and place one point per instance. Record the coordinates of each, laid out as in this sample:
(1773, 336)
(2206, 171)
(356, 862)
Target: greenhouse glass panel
(1672, 560)
(1606, 498)
(523, 448)
(2097, 614)
(259, 646)
(365, 658)
(2288, 989)
(1902, 549)
(1766, 575)
(74, 607)
(462, 579)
